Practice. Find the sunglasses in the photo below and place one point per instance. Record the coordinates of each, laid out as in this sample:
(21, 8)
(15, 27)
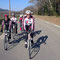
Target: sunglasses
(28, 14)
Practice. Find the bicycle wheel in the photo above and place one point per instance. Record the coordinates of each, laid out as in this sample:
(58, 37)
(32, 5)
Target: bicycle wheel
(13, 34)
(6, 43)
(29, 49)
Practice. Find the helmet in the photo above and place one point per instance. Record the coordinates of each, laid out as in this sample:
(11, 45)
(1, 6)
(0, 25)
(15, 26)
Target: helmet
(13, 14)
(28, 12)
(21, 15)
(6, 15)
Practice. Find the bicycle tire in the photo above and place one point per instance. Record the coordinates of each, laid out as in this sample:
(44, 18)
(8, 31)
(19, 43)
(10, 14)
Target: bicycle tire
(5, 43)
(14, 32)
(29, 49)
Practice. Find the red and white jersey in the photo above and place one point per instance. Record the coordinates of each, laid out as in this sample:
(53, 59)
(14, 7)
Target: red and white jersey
(14, 19)
(29, 21)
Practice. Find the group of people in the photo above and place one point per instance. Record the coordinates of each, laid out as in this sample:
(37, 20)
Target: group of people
(27, 23)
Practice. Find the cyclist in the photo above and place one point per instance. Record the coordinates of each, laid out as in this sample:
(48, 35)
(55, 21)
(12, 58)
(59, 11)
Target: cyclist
(14, 21)
(20, 20)
(7, 24)
(28, 20)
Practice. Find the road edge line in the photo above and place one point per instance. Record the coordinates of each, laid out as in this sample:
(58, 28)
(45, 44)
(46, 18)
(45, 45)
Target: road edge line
(50, 23)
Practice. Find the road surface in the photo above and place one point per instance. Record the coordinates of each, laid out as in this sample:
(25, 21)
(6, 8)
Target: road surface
(47, 44)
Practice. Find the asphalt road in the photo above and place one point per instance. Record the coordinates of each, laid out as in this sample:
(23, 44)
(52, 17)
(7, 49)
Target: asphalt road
(47, 44)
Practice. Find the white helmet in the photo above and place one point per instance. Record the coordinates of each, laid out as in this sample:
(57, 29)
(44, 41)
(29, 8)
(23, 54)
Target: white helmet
(13, 14)
(28, 12)
(21, 15)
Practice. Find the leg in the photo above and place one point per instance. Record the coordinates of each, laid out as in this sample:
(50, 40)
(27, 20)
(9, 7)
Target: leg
(32, 37)
(26, 40)
(16, 28)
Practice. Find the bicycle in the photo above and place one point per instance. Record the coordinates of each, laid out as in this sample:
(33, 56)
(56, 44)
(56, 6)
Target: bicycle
(29, 41)
(13, 31)
(6, 39)
(29, 46)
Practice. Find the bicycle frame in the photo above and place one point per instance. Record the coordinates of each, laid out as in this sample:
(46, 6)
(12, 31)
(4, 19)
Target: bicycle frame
(29, 41)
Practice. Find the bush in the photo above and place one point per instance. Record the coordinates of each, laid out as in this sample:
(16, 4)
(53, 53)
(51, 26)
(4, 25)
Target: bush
(50, 13)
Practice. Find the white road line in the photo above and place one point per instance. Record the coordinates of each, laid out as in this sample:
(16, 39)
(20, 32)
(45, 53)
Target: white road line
(50, 23)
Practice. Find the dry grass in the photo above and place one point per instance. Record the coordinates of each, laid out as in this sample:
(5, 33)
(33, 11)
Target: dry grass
(53, 19)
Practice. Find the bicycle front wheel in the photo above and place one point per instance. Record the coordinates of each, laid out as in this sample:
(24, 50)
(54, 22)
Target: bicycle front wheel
(29, 49)
(5, 43)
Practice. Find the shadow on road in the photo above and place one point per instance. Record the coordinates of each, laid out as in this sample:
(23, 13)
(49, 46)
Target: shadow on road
(36, 47)
(37, 32)
(16, 41)
(20, 37)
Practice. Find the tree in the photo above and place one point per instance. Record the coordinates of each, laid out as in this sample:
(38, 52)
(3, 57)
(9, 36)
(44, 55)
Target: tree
(47, 6)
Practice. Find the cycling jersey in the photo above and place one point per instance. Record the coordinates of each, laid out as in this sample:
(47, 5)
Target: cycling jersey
(27, 21)
(14, 19)
(7, 24)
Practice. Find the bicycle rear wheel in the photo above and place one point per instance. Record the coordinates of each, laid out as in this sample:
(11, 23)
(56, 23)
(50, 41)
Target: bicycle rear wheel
(13, 33)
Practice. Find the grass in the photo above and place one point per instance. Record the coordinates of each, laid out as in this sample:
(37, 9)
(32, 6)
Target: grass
(52, 19)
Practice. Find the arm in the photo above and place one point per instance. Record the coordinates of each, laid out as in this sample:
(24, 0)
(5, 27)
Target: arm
(16, 20)
(10, 24)
(24, 24)
(2, 24)
(33, 24)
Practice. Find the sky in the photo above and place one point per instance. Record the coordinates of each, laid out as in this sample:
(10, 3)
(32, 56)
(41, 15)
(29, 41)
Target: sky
(16, 5)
